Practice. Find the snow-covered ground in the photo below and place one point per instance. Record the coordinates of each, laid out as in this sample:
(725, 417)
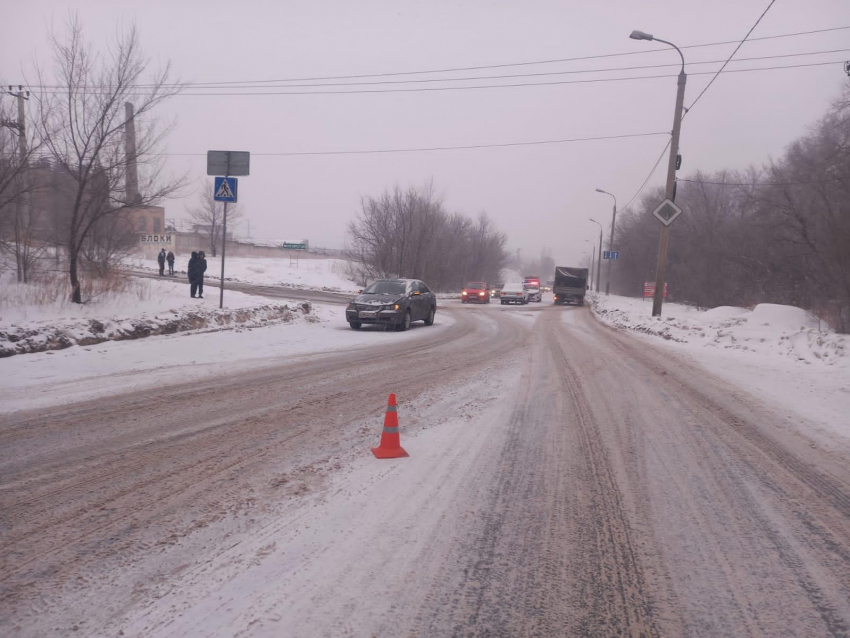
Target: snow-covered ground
(314, 274)
(781, 353)
(85, 372)
(25, 303)
(38, 316)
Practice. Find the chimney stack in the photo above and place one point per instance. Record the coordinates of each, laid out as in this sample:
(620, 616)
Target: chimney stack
(132, 195)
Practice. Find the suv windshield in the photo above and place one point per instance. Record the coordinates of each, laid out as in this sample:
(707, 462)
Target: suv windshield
(386, 288)
(475, 286)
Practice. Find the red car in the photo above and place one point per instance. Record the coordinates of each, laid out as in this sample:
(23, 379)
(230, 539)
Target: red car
(475, 292)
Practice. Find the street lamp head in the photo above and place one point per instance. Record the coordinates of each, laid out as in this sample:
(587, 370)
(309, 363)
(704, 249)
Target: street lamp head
(599, 190)
(640, 35)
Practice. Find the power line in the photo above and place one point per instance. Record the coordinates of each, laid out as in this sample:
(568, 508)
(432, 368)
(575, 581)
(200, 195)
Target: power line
(476, 68)
(224, 85)
(655, 166)
(814, 181)
(432, 89)
(502, 86)
(452, 148)
(720, 70)
(541, 74)
(528, 63)
(648, 177)
(425, 149)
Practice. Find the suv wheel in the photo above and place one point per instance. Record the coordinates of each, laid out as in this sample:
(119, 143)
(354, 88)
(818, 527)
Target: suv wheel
(355, 325)
(405, 322)
(430, 320)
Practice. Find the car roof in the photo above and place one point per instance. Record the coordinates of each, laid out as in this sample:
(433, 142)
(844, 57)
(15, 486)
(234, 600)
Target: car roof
(513, 284)
(396, 280)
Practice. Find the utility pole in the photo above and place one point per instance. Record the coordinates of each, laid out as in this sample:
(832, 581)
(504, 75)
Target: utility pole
(611, 243)
(599, 256)
(22, 221)
(592, 259)
(22, 121)
(661, 268)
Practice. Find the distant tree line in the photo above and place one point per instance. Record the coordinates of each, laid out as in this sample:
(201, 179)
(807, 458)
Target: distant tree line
(778, 234)
(408, 233)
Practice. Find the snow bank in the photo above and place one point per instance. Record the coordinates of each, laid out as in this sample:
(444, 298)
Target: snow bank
(38, 317)
(769, 329)
(308, 274)
(779, 353)
(45, 336)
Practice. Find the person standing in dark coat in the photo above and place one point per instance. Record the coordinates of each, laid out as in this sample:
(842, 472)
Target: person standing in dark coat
(194, 273)
(161, 259)
(170, 259)
(202, 268)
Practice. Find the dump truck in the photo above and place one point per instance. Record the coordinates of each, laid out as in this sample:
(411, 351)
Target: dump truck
(570, 285)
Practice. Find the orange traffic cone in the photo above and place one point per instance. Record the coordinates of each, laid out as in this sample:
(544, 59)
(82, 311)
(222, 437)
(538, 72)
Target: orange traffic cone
(390, 447)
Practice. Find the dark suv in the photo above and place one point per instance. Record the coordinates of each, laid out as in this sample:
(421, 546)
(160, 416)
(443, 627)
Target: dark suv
(392, 302)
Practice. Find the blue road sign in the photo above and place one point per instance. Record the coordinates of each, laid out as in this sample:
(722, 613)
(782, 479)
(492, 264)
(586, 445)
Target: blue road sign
(225, 189)
(611, 254)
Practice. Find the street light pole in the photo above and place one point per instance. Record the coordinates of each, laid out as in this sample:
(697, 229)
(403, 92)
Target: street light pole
(599, 256)
(592, 259)
(661, 267)
(611, 243)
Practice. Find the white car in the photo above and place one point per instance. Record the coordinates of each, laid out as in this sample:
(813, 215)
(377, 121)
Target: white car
(534, 293)
(514, 293)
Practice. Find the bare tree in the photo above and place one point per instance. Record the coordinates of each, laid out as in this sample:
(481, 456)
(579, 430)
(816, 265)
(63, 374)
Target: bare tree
(779, 234)
(208, 217)
(110, 239)
(407, 233)
(82, 121)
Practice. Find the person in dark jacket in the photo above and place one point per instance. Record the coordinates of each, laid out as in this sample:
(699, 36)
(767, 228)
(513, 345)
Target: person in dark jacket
(170, 259)
(161, 259)
(202, 268)
(194, 273)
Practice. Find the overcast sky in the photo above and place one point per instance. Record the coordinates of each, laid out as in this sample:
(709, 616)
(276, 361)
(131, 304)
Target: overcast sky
(539, 195)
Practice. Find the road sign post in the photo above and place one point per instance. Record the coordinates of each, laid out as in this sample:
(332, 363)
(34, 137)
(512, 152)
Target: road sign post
(224, 190)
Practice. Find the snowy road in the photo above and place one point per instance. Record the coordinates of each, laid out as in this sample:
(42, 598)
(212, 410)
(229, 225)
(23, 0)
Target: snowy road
(564, 480)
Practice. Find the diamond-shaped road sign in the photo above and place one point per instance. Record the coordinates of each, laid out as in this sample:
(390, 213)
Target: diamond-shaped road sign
(225, 189)
(667, 211)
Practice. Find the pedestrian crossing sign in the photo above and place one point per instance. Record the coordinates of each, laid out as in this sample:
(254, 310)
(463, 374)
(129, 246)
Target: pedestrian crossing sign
(225, 189)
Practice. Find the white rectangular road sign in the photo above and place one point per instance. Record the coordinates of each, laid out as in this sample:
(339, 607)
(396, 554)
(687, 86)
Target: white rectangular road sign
(236, 163)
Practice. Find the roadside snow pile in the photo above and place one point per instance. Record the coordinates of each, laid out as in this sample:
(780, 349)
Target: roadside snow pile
(49, 335)
(309, 274)
(769, 328)
(38, 316)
